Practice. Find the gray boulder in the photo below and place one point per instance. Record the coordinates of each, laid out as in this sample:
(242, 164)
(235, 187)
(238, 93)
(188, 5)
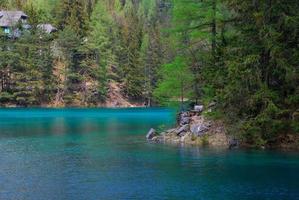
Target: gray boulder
(152, 133)
(184, 114)
(198, 108)
(185, 120)
(199, 129)
(182, 129)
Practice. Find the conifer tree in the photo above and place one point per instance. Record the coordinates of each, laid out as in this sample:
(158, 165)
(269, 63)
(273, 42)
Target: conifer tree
(132, 38)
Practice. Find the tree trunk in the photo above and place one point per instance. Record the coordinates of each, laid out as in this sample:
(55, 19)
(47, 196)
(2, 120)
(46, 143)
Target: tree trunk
(214, 30)
(182, 95)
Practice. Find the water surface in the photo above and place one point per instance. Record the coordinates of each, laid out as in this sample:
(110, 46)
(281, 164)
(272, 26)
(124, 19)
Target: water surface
(72, 154)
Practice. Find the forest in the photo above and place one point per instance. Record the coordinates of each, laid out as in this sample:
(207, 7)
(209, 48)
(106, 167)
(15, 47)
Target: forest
(241, 56)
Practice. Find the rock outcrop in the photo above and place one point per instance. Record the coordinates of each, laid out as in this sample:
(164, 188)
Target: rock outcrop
(195, 129)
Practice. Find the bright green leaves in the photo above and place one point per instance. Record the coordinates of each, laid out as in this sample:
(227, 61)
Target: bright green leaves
(177, 81)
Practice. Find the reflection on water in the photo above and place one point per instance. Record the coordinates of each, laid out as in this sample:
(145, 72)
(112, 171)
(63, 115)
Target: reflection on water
(20, 122)
(102, 154)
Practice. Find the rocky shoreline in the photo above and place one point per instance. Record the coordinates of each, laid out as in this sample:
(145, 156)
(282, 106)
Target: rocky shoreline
(195, 129)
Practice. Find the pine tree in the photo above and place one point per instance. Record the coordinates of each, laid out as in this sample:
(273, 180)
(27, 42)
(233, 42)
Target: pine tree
(100, 40)
(73, 13)
(152, 49)
(131, 32)
(262, 61)
(69, 41)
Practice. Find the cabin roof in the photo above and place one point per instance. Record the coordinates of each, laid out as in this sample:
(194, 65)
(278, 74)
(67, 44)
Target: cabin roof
(11, 18)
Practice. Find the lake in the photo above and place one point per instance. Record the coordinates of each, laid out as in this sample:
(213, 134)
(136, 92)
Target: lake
(89, 154)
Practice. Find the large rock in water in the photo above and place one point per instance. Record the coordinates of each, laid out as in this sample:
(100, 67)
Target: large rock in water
(151, 134)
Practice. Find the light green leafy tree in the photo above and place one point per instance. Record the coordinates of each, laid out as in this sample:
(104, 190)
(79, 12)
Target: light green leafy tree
(176, 83)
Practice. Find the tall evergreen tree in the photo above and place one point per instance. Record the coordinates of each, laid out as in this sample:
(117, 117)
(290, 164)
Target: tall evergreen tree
(73, 13)
(100, 40)
(131, 32)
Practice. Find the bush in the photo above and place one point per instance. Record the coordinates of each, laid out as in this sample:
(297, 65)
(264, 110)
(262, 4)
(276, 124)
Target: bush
(214, 115)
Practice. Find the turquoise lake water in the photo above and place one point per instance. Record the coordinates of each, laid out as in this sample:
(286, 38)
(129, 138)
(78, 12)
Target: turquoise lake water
(90, 154)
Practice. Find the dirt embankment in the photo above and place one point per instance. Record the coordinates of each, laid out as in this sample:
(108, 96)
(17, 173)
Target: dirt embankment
(117, 99)
(115, 96)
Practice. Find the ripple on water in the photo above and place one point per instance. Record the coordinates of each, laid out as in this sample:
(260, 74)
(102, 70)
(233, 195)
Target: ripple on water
(102, 154)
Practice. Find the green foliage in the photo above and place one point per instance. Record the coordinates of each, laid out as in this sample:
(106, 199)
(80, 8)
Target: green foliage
(243, 55)
(72, 14)
(259, 82)
(215, 115)
(101, 41)
(176, 81)
(6, 97)
(25, 67)
(132, 71)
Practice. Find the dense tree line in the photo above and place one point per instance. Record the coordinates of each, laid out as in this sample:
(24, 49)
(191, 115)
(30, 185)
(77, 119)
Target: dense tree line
(242, 55)
(98, 42)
